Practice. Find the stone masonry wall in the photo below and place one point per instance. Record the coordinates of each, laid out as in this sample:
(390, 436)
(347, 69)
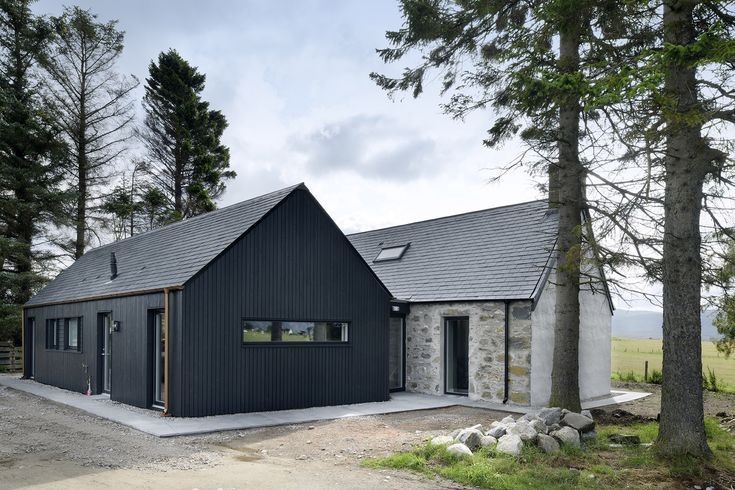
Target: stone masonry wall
(425, 348)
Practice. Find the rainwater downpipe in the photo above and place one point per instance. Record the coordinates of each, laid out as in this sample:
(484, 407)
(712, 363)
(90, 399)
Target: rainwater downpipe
(506, 360)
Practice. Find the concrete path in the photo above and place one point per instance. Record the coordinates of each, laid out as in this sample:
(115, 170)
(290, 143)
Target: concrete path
(151, 422)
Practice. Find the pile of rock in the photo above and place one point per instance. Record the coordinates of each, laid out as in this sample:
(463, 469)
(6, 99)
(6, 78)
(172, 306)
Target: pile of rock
(548, 428)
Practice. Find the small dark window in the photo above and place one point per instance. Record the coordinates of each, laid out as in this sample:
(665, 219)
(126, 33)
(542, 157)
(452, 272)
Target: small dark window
(256, 331)
(73, 330)
(391, 253)
(52, 334)
(64, 333)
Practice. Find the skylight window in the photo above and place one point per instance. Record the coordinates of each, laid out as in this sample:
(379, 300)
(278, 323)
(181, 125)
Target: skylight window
(391, 253)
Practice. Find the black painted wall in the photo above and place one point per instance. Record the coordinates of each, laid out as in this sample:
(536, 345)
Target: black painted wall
(131, 370)
(294, 265)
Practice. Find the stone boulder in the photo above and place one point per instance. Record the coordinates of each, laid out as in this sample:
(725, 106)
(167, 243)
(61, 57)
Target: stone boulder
(470, 438)
(442, 440)
(550, 416)
(510, 444)
(455, 433)
(524, 430)
(497, 432)
(538, 425)
(587, 437)
(459, 450)
(548, 444)
(486, 441)
(508, 420)
(528, 417)
(578, 422)
(567, 436)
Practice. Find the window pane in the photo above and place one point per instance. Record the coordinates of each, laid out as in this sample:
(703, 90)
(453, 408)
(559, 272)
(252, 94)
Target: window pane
(72, 326)
(282, 331)
(391, 253)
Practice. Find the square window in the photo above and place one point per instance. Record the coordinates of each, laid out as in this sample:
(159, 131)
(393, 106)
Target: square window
(391, 253)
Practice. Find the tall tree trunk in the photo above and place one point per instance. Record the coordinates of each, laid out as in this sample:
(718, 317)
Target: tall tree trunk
(566, 184)
(687, 161)
(82, 170)
(179, 185)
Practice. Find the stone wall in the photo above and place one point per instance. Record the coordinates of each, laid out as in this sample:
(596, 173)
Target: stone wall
(425, 348)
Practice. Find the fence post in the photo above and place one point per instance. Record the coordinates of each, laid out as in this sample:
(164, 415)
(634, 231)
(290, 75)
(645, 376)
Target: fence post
(645, 373)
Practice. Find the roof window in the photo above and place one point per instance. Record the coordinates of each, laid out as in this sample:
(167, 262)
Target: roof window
(391, 253)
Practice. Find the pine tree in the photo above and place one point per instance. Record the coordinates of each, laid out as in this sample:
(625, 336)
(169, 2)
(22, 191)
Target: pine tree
(189, 164)
(92, 105)
(31, 201)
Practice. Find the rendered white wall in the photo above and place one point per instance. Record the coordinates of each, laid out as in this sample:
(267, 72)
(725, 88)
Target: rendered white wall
(594, 344)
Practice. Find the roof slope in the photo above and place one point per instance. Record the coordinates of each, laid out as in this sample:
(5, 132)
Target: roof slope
(494, 254)
(164, 257)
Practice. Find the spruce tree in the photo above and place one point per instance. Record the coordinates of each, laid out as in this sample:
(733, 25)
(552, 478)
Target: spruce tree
(188, 162)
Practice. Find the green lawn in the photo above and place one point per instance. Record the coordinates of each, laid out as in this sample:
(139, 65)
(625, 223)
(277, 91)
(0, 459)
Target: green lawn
(253, 336)
(596, 467)
(630, 355)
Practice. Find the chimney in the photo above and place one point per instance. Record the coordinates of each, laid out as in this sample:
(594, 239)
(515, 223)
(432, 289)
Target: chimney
(113, 266)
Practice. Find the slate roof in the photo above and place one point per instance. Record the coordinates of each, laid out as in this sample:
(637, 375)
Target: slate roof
(164, 257)
(493, 254)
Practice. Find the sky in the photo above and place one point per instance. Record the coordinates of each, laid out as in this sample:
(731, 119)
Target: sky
(292, 78)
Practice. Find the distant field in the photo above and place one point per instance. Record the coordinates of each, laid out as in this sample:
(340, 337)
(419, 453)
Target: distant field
(253, 336)
(631, 354)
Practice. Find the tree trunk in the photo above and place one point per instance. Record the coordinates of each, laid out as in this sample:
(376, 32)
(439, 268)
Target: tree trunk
(81, 217)
(681, 429)
(566, 185)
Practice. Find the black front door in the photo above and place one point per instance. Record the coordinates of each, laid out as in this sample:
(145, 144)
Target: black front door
(159, 356)
(456, 355)
(30, 343)
(104, 346)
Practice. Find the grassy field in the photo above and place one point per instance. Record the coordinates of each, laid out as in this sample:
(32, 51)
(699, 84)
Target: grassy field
(631, 354)
(253, 336)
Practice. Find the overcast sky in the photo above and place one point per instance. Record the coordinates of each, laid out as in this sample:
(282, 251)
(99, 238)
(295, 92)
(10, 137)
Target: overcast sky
(293, 83)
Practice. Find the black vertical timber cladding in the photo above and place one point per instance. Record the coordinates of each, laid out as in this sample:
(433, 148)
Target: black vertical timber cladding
(294, 265)
(130, 346)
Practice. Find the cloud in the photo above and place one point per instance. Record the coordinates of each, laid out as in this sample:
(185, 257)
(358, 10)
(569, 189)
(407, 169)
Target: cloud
(371, 146)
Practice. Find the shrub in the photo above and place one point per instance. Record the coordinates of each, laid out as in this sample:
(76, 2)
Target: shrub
(710, 381)
(656, 377)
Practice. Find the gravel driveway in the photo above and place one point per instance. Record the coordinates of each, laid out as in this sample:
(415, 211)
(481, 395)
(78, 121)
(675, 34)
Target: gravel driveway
(44, 444)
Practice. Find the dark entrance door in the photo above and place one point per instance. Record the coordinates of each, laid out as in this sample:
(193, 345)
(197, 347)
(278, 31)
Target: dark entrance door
(30, 344)
(397, 353)
(456, 355)
(159, 355)
(104, 339)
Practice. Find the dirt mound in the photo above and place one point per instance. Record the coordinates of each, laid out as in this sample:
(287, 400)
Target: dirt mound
(618, 416)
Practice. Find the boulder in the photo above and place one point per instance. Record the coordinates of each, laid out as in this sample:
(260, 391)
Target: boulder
(588, 436)
(476, 427)
(508, 420)
(548, 444)
(578, 422)
(510, 444)
(567, 436)
(470, 438)
(587, 414)
(497, 432)
(459, 450)
(442, 440)
(524, 430)
(538, 425)
(455, 433)
(550, 416)
(551, 428)
(528, 417)
(624, 439)
(486, 441)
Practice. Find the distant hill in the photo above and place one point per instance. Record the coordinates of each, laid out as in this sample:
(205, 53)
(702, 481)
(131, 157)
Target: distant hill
(643, 324)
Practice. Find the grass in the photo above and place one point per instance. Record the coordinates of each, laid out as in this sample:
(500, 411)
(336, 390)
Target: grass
(598, 466)
(629, 357)
(254, 336)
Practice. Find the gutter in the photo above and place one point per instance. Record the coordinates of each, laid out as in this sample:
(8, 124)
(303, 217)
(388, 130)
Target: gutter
(506, 363)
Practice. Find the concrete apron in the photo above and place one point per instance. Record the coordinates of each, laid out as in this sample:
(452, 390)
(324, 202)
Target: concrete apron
(152, 423)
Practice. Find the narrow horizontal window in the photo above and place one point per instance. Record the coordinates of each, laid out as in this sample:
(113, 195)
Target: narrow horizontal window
(391, 253)
(286, 331)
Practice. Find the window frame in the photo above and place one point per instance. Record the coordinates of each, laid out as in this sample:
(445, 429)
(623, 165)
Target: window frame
(404, 249)
(52, 327)
(58, 328)
(295, 343)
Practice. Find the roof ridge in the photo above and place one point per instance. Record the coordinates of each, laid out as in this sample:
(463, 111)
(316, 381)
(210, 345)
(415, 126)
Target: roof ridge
(168, 226)
(448, 216)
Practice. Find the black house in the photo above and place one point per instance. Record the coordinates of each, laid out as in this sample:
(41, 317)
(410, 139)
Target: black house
(263, 305)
